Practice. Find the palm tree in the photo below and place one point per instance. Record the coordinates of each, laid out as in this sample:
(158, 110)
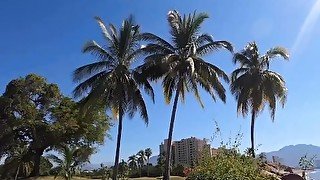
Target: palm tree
(132, 162)
(141, 159)
(148, 153)
(181, 65)
(123, 169)
(72, 158)
(111, 81)
(254, 85)
(17, 163)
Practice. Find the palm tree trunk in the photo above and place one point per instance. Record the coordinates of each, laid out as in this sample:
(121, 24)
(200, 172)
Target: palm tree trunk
(252, 133)
(17, 173)
(37, 159)
(168, 154)
(116, 161)
(148, 167)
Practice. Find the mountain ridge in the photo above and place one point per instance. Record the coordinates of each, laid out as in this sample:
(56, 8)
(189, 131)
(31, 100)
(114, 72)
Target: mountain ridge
(291, 154)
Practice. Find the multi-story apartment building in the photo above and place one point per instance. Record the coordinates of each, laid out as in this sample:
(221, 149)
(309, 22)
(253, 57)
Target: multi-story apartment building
(186, 152)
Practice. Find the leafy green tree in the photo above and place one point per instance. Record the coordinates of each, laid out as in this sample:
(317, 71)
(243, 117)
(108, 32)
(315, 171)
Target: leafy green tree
(148, 153)
(181, 64)
(132, 162)
(72, 158)
(34, 114)
(111, 82)
(141, 160)
(255, 85)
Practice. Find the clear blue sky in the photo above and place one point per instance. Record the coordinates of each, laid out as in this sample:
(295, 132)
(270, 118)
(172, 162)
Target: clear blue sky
(46, 37)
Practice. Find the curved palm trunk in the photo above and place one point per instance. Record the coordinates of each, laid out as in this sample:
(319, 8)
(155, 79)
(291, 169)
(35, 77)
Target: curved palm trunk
(166, 175)
(252, 133)
(116, 161)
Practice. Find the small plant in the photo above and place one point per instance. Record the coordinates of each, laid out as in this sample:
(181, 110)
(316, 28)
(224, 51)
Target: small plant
(72, 158)
(306, 163)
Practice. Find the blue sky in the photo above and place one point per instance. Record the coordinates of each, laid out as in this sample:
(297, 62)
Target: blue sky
(46, 37)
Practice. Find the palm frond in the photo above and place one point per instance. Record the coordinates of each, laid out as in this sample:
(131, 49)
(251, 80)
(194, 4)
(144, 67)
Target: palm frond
(205, 49)
(196, 92)
(203, 38)
(169, 85)
(242, 59)
(278, 51)
(238, 72)
(156, 39)
(143, 81)
(55, 159)
(87, 70)
(104, 30)
(96, 50)
(91, 82)
(197, 20)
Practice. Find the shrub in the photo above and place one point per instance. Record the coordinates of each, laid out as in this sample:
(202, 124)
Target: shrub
(228, 164)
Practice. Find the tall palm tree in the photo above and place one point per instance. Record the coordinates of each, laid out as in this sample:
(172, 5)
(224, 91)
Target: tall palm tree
(141, 159)
(148, 153)
(181, 65)
(112, 81)
(132, 162)
(254, 84)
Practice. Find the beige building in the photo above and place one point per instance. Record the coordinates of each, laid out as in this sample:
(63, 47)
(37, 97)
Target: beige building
(186, 152)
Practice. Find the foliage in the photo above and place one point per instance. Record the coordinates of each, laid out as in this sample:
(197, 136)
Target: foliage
(132, 162)
(16, 164)
(72, 158)
(228, 165)
(148, 153)
(161, 162)
(45, 166)
(178, 170)
(34, 115)
(123, 170)
(111, 82)
(262, 157)
(180, 63)
(306, 163)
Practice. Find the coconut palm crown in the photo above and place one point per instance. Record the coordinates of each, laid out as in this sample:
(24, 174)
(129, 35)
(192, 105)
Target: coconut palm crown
(255, 85)
(111, 81)
(180, 64)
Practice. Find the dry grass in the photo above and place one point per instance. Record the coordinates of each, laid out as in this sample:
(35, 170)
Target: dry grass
(171, 178)
(80, 178)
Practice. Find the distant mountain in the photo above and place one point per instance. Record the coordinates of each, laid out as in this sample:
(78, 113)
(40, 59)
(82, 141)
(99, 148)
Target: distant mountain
(90, 166)
(153, 160)
(290, 155)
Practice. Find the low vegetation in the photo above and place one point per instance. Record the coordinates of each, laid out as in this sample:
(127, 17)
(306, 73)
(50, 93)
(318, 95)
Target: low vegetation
(228, 164)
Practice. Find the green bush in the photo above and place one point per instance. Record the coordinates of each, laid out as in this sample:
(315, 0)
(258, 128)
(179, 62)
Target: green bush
(228, 164)
(178, 171)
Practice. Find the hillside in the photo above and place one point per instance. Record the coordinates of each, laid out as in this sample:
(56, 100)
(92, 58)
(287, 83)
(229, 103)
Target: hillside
(290, 155)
